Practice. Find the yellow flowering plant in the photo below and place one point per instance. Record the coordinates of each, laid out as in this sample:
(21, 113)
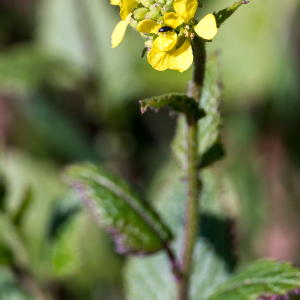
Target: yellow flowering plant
(175, 40)
(173, 50)
(192, 267)
(169, 35)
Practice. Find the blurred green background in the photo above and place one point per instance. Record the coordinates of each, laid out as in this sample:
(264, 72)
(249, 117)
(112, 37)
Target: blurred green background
(66, 96)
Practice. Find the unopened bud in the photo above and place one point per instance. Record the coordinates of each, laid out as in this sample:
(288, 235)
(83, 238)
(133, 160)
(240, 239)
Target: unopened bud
(163, 2)
(152, 15)
(170, 2)
(133, 23)
(139, 13)
(147, 3)
(156, 6)
(167, 9)
(160, 20)
(148, 44)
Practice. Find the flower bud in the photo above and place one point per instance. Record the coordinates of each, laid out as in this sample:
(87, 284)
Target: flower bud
(160, 20)
(163, 2)
(156, 7)
(170, 2)
(133, 23)
(139, 13)
(167, 9)
(152, 15)
(147, 3)
(148, 44)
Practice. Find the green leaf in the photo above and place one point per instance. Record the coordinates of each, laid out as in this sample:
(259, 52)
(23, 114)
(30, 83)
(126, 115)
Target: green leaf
(223, 15)
(210, 146)
(261, 278)
(70, 254)
(212, 155)
(22, 210)
(63, 212)
(178, 102)
(135, 226)
(66, 256)
(151, 278)
(11, 243)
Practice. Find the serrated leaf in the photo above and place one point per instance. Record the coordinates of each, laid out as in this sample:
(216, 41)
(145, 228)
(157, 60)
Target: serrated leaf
(222, 15)
(178, 102)
(209, 126)
(151, 278)
(261, 278)
(135, 226)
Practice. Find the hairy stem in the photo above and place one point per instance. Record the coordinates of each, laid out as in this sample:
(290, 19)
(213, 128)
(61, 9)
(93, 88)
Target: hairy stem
(199, 52)
(192, 171)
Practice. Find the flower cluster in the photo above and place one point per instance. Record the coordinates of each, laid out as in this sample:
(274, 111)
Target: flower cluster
(168, 26)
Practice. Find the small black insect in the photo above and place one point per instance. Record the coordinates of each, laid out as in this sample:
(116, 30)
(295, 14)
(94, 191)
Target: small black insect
(165, 29)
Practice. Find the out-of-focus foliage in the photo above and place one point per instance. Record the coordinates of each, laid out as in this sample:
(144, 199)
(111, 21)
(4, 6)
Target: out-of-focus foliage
(9, 287)
(66, 96)
(56, 249)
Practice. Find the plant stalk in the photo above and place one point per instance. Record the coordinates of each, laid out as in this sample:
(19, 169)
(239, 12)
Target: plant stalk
(194, 186)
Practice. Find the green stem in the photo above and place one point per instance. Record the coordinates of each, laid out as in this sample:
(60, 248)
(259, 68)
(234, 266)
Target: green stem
(191, 215)
(193, 181)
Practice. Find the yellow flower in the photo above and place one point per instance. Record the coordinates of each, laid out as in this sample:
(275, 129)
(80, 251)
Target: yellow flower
(126, 7)
(169, 52)
(115, 2)
(177, 59)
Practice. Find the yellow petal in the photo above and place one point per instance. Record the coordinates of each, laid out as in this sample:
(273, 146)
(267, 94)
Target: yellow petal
(118, 33)
(182, 58)
(115, 2)
(127, 7)
(158, 60)
(172, 19)
(207, 27)
(176, 59)
(166, 41)
(186, 9)
(148, 26)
